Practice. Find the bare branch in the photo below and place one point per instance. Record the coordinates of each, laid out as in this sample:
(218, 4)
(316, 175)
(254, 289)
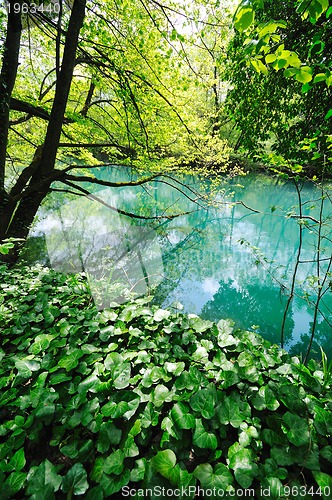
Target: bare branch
(62, 175)
(301, 217)
(24, 138)
(124, 149)
(88, 99)
(94, 180)
(123, 212)
(18, 105)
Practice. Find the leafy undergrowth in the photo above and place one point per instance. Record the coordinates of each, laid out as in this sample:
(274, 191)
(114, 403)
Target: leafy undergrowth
(139, 398)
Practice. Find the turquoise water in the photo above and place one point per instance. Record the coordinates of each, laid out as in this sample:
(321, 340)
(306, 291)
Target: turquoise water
(233, 258)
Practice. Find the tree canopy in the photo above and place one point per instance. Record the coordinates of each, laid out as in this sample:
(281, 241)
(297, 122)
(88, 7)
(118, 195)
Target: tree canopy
(94, 81)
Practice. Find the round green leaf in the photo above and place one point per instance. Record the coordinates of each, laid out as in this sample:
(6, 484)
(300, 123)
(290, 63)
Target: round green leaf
(164, 463)
(245, 469)
(296, 429)
(18, 461)
(204, 402)
(204, 439)
(112, 484)
(113, 464)
(323, 480)
(175, 368)
(265, 398)
(218, 478)
(182, 417)
(26, 366)
(75, 480)
(16, 481)
(304, 75)
(161, 314)
(230, 413)
(108, 434)
(71, 360)
(43, 481)
(138, 472)
(161, 394)
(323, 421)
(122, 374)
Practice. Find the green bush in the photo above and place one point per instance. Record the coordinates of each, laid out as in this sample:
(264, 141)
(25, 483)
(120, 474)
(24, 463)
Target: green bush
(138, 397)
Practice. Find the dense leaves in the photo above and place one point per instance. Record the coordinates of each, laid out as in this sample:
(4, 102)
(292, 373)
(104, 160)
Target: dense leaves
(279, 70)
(138, 397)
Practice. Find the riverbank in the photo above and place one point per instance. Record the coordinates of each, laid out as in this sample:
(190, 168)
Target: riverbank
(307, 173)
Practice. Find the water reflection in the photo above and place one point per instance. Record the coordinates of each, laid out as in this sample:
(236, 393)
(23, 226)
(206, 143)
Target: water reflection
(224, 262)
(116, 255)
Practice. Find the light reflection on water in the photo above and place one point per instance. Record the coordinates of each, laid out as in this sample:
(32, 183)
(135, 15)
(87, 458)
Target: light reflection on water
(224, 262)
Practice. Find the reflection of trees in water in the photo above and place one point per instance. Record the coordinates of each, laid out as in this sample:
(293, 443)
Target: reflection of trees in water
(201, 246)
(190, 255)
(248, 306)
(322, 339)
(35, 250)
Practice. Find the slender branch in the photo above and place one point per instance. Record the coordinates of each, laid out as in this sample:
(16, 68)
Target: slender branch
(19, 105)
(179, 13)
(182, 192)
(291, 293)
(318, 275)
(42, 93)
(94, 180)
(124, 149)
(58, 41)
(24, 137)
(66, 191)
(123, 212)
(62, 175)
(146, 82)
(302, 217)
(23, 119)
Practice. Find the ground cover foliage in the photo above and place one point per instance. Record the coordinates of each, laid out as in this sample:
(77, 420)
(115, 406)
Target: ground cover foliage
(139, 396)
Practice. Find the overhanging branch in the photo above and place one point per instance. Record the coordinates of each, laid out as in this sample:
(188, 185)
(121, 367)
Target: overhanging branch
(124, 149)
(123, 212)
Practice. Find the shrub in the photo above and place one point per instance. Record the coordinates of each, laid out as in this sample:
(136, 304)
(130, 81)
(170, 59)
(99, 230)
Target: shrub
(138, 397)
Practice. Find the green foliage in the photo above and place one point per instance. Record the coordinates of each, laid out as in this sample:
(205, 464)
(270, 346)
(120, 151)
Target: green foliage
(280, 75)
(138, 102)
(140, 397)
(244, 18)
(7, 244)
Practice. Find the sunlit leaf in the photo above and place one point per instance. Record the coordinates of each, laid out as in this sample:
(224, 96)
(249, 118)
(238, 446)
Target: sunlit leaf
(244, 18)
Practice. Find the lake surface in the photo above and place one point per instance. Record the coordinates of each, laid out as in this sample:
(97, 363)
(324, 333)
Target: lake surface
(232, 258)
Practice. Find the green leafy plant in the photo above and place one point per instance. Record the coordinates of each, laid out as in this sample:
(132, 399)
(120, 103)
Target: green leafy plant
(138, 397)
(7, 244)
(326, 368)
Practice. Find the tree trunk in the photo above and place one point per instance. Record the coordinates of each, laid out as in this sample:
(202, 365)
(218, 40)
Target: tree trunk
(7, 81)
(41, 174)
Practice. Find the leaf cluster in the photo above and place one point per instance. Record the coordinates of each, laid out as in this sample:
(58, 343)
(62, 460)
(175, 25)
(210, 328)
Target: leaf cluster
(140, 396)
(280, 75)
